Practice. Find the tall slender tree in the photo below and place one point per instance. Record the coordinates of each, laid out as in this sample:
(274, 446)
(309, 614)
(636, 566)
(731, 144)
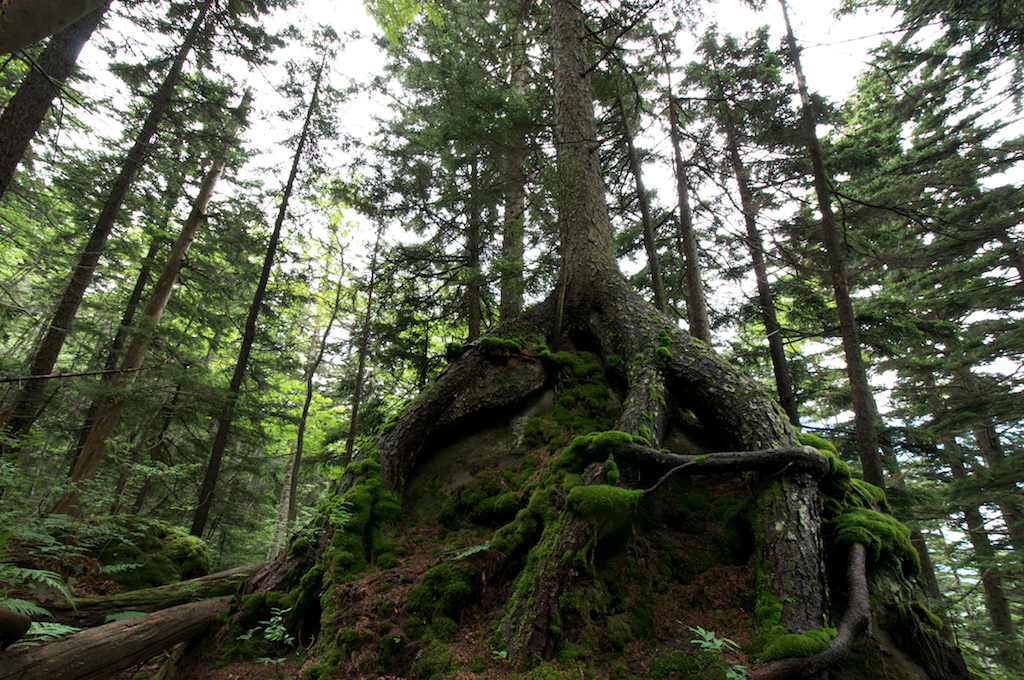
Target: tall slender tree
(227, 411)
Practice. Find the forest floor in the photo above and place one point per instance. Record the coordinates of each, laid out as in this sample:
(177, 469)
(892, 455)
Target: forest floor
(661, 575)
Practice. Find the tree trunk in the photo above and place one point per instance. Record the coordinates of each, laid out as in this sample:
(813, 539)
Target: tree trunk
(864, 408)
(511, 275)
(109, 412)
(220, 442)
(26, 110)
(765, 296)
(996, 603)
(364, 348)
(104, 651)
(696, 304)
(650, 242)
(473, 247)
(26, 407)
(92, 611)
(300, 436)
(23, 22)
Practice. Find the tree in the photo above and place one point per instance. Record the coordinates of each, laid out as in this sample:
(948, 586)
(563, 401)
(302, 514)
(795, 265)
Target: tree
(751, 73)
(864, 408)
(220, 442)
(109, 412)
(23, 22)
(26, 407)
(23, 115)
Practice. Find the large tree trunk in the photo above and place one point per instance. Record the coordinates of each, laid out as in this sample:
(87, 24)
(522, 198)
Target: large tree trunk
(23, 22)
(26, 407)
(104, 651)
(28, 107)
(864, 409)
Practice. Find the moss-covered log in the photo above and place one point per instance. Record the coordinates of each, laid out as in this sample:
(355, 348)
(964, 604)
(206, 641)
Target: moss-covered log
(93, 611)
(103, 651)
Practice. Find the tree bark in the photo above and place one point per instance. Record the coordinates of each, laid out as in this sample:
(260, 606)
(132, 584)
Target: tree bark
(765, 296)
(92, 611)
(220, 442)
(23, 22)
(26, 110)
(511, 276)
(650, 243)
(109, 412)
(864, 408)
(25, 409)
(106, 650)
(696, 303)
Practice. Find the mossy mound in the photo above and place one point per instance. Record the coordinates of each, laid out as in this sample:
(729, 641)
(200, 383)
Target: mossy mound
(163, 554)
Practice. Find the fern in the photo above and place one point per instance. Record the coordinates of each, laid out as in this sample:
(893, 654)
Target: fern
(119, 568)
(41, 632)
(22, 607)
(120, 616)
(34, 577)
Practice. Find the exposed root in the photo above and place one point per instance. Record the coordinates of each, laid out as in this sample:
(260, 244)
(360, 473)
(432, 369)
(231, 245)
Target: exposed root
(856, 618)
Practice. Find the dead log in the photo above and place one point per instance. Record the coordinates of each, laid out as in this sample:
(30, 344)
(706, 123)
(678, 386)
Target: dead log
(104, 651)
(93, 611)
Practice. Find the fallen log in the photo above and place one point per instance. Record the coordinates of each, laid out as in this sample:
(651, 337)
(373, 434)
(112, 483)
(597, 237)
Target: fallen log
(106, 650)
(92, 611)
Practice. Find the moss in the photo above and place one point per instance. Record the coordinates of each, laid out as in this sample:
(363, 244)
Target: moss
(926, 617)
(444, 590)
(498, 349)
(883, 536)
(414, 627)
(612, 439)
(611, 470)
(798, 644)
(165, 554)
(613, 361)
(435, 662)
(663, 355)
(599, 502)
(820, 443)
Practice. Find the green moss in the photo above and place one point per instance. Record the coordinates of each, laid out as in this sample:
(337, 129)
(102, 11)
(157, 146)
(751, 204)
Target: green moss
(613, 360)
(498, 349)
(165, 554)
(883, 536)
(663, 355)
(414, 627)
(926, 617)
(611, 469)
(820, 443)
(444, 590)
(435, 662)
(599, 502)
(798, 644)
(611, 439)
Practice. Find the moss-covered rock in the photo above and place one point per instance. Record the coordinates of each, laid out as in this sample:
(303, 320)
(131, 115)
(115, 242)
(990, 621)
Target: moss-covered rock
(164, 554)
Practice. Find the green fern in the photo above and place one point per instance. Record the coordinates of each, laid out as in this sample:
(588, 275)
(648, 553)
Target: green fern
(120, 616)
(119, 568)
(22, 607)
(41, 632)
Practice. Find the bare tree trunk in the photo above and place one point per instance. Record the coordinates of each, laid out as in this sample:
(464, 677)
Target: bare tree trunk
(473, 246)
(511, 277)
(220, 442)
(864, 408)
(996, 602)
(364, 348)
(25, 112)
(26, 407)
(314, 365)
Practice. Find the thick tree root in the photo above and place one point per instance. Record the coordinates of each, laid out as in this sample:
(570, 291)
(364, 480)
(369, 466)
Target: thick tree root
(856, 619)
